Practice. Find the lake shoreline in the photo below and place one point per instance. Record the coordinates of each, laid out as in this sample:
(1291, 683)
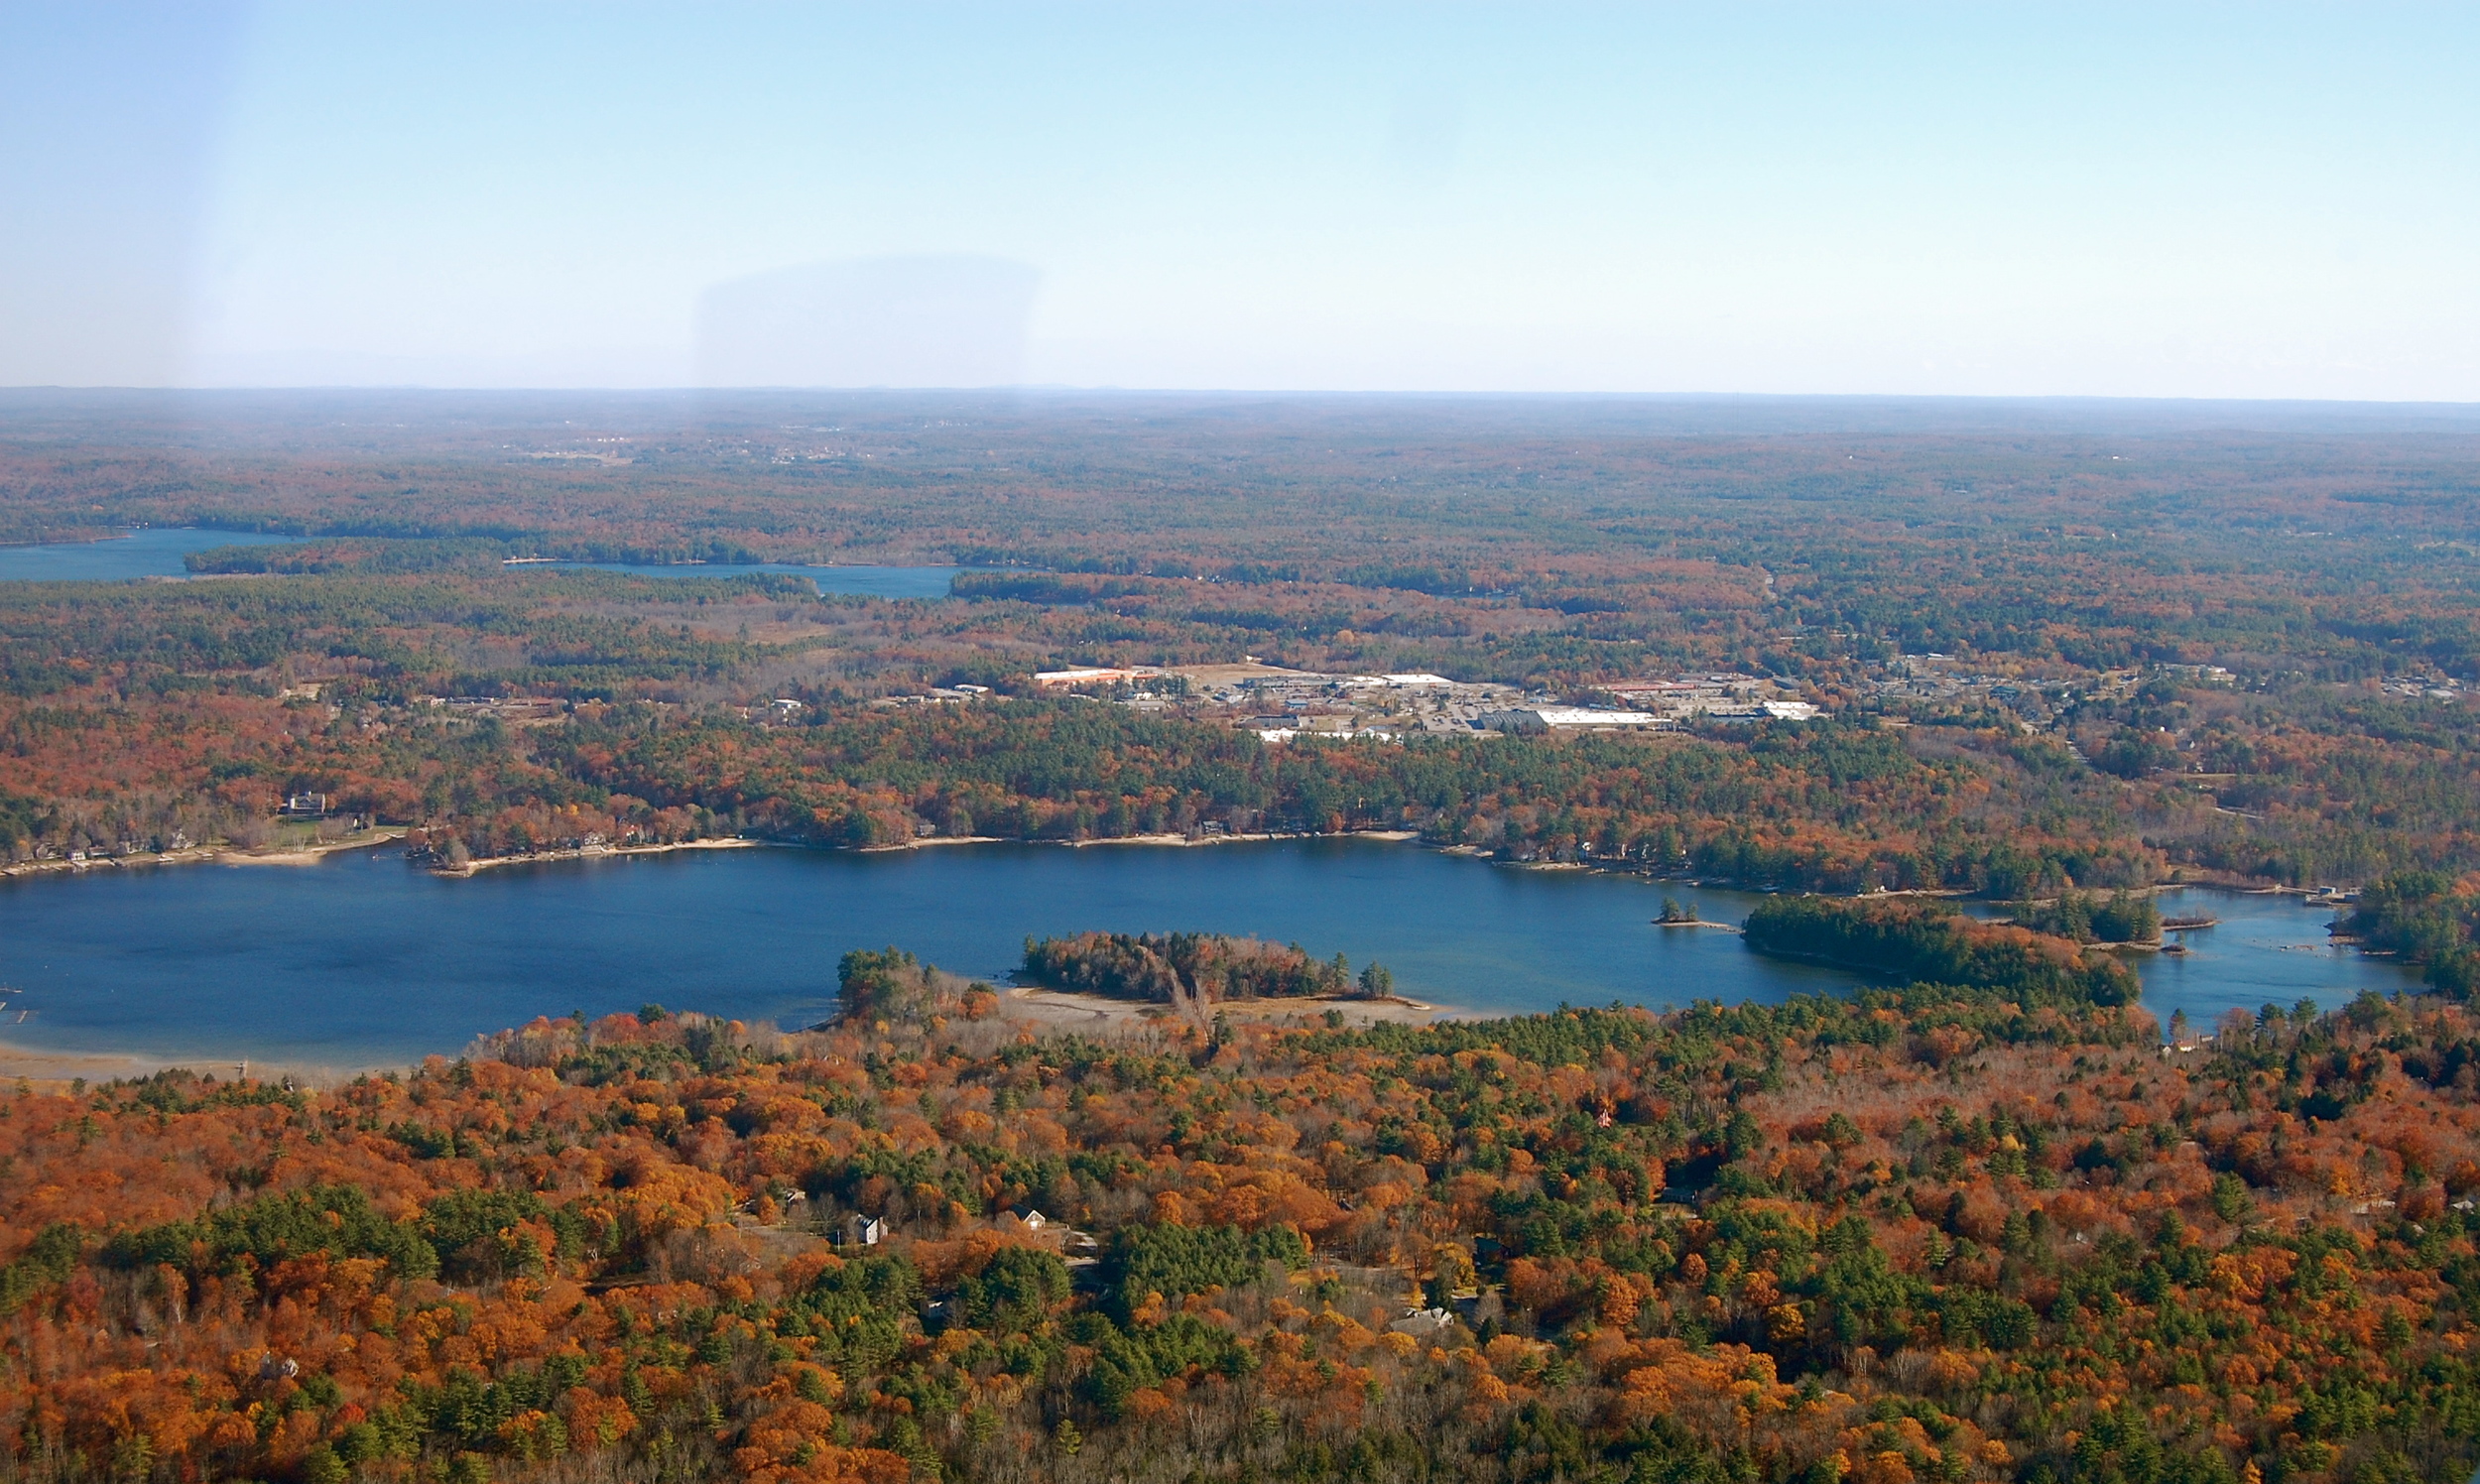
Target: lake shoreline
(1064, 1009)
(925, 842)
(2186, 878)
(483, 863)
(1031, 1006)
(48, 1069)
(357, 966)
(201, 856)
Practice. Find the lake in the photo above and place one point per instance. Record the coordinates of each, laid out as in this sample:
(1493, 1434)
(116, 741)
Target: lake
(364, 960)
(157, 552)
(153, 553)
(856, 581)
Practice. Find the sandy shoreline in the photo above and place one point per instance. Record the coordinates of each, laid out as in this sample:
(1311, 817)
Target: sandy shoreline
(1235, 839)
(56, 1068)
(1033, 1008)
(597, 852)
(225, 855)
(1064, 1010)
(927, 842)
(24, 1064)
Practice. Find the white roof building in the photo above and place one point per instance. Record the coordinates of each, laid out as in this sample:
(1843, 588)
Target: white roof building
(1563, 718)
(1765, 710)
(1087, 674)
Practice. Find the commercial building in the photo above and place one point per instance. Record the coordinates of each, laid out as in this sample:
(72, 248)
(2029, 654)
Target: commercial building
(1563, 718)
(1764, 710)
(1093, 674)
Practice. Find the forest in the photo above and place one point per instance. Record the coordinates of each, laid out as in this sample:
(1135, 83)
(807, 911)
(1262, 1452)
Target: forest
(2214, 642)
(1987, 1229)
(1979, 1222)
(1926, 940)
(1174, 966)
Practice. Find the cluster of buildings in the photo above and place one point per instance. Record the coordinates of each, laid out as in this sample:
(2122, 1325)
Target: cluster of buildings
(1280, 705)
(2435, 687)
(513, 708)
(1722, 696)
(934, 697)
(1941, 680)
(1545, 718)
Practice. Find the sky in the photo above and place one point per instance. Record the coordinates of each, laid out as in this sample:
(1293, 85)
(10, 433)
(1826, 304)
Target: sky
(2156, 200)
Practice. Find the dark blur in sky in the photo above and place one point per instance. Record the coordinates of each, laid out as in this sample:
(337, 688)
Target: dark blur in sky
(2136, 200)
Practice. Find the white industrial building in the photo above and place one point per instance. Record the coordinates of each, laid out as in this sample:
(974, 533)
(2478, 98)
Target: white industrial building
(1764, 710)
(1563, 718)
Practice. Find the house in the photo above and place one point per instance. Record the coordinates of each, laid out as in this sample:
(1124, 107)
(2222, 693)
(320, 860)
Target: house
(864, 1231)
(1034, 1220)
(1424, 1323)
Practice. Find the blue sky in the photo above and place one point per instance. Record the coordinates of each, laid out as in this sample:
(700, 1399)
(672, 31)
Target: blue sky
(2248, 202)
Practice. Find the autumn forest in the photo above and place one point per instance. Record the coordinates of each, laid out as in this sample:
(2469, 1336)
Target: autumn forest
(1985, 1220)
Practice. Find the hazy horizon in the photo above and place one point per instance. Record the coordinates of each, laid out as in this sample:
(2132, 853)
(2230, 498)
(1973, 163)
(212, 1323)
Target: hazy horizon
(2112, 202)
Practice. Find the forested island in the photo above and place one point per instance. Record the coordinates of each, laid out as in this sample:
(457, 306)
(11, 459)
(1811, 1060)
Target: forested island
(1930, 941)
(1988, 1228)
(1200, 966)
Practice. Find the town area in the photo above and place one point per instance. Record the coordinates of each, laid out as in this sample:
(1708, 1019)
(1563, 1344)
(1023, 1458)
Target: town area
(1280, 705)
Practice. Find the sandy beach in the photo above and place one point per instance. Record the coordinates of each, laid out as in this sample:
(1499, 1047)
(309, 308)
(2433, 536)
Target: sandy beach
(222, 855)
(926, 842)
(1035, 1009)
(1061, 1010)
(46, 1069)
(56, 1068)
(1233, 840)
(595, 852)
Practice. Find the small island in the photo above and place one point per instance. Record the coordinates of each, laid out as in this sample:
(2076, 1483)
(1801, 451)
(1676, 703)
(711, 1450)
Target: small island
(1190, 971)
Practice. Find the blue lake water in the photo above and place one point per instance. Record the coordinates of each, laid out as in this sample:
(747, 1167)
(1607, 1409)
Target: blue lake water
(152, 552)
(157, 552)
(364, 960)
(857, 581)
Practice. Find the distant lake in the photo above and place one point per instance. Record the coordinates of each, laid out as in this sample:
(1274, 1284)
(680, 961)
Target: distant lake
(153, 553)
(156, 552)
(366, 959)
(857, 581)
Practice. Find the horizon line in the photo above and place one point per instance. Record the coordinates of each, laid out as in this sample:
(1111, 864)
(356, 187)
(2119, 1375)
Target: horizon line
(1043, 389)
